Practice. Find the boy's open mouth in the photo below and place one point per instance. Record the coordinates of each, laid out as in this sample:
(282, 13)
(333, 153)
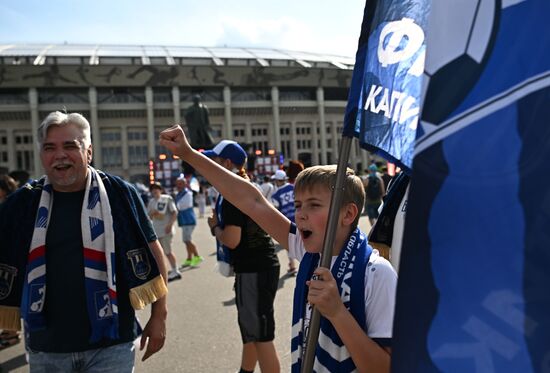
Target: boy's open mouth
(306, 234)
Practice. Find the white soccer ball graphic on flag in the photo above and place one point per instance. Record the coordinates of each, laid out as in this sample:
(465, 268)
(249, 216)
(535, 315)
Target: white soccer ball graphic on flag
(457, 50)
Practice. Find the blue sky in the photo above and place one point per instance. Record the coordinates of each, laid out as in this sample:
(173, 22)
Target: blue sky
(324, 26)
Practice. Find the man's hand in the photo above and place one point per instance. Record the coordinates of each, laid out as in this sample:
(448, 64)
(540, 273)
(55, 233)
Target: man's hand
(323, 293)
(154, 335)
(174, 140)
(168, 229)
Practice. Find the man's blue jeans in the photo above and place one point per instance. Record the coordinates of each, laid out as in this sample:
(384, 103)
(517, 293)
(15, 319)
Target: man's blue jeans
(117, 358)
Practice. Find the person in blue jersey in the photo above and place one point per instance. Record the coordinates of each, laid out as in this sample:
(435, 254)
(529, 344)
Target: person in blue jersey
(355, 298)
(78, 256)
(255, 264)
(283, 200)
(187, 220)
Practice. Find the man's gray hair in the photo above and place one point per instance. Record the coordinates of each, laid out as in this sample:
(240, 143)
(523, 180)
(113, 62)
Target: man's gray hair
(59, 119)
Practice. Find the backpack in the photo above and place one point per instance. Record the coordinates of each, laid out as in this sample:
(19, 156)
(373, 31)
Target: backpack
(373, 188)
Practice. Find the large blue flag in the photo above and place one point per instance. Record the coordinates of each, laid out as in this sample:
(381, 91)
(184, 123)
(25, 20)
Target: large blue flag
(384, 100)
(474, 286)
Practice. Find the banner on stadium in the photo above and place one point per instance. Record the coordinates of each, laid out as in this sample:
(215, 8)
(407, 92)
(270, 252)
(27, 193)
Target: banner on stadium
(384, 100)
(473, 289)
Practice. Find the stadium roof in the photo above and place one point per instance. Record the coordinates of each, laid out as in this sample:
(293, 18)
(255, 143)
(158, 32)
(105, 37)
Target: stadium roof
(104, 54)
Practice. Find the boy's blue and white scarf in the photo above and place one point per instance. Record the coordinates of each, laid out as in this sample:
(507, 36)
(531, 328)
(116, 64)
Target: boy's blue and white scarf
(349, 272)
(99, 261)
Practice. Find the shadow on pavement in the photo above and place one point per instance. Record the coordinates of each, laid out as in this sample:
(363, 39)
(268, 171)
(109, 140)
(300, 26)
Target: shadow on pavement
(230, 302)
(13, 364)
(285, 277)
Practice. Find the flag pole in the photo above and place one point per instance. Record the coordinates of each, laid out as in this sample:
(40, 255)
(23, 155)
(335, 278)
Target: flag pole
(330, 233)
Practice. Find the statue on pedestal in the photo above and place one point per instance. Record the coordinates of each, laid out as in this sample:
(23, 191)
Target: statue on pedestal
(198, 124)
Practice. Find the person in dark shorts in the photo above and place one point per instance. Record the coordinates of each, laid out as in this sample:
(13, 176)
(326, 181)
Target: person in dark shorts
(256, 268)
(374, 191)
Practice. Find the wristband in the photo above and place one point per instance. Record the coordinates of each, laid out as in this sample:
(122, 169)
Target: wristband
(213, 230)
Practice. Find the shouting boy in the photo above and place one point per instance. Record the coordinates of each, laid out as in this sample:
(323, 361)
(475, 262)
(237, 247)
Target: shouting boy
(356, 298)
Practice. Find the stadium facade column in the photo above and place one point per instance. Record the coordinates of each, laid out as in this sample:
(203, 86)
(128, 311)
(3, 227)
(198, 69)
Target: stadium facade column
(176, 104)
(247, 132)
(11, 148)
(150, 124)
(35, 121)
(94, 123)
(227, 129)
(125, 155)
(334, 134)
(275, 140)
(314, 142)
(293, 141)
(322, 124)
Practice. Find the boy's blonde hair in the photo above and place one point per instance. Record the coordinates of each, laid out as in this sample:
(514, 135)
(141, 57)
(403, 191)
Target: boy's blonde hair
(325, 176)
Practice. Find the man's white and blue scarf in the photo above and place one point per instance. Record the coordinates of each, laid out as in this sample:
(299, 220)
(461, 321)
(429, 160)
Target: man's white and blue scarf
(99, 261)
(331, 355)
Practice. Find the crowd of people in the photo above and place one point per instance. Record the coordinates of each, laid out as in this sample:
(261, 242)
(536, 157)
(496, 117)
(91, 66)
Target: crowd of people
(88, 228)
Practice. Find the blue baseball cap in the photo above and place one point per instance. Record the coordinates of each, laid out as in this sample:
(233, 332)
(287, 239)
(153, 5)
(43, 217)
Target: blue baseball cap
(228, 149)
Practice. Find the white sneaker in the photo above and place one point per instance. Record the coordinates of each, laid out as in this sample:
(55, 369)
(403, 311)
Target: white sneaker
(174, 275)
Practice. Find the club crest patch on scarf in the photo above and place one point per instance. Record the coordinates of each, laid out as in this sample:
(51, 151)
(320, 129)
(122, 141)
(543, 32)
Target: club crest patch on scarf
(7, 275)
(140, 262)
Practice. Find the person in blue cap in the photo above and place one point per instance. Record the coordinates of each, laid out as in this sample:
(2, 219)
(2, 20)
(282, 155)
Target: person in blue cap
(255, 264)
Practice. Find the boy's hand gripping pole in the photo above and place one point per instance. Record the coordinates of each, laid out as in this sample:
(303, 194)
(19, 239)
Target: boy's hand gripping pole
(330, 233)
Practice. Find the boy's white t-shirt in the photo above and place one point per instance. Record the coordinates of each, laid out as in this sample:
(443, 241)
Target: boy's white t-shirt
(380, 287)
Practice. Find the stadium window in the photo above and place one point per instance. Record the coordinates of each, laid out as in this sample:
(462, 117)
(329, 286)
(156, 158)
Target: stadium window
(251, 94)
(14, 96)
(162, 95)
(120, 95)
(297, 94)
(62, 96)
(336, 94)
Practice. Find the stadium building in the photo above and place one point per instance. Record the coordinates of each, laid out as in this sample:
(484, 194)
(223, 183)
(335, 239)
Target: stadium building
(290, 103)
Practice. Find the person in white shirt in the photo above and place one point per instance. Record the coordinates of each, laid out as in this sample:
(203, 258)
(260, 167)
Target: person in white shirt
(267, 188)
(162, 211)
